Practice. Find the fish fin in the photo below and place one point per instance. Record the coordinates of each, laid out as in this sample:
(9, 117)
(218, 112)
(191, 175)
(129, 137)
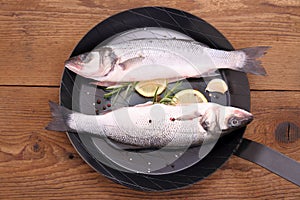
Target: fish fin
(190, 116)
(123, 146)
(103, 83)
(148, 103)
(209, 73)
(60, 116)
(252, 65)
(125, 64)
(103, 112)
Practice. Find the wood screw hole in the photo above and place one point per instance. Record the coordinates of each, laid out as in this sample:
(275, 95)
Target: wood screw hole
(71, 156)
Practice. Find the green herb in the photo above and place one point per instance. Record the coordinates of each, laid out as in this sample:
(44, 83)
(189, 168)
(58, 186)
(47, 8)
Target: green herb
(108, 95)
(129, 87)
(116, 89)
(155, 95)
(168, 98)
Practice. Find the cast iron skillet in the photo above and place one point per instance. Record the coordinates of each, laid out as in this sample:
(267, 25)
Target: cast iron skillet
(200, 31)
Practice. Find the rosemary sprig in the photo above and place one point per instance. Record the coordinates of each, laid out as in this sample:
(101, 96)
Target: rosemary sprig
(114, 99)
(168, 98)
(108, 95)
(116, 89)
(155, 95)
(166, 101)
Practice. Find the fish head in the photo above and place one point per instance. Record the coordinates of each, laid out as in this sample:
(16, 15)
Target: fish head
(224, 119)
(97, 63)
(234, 118)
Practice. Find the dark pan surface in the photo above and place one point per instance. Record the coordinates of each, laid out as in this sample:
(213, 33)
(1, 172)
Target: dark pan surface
(198, 30)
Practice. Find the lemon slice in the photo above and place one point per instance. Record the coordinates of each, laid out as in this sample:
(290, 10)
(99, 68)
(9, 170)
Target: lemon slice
(189, 96)
(217, 85)
(148, 88)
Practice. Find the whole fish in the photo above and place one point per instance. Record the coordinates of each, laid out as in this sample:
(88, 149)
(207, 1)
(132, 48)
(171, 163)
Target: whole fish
(154, 125)
(171, 59)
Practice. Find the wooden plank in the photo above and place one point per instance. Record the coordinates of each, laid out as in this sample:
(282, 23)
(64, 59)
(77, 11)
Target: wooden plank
(40, 164)
(37, 36)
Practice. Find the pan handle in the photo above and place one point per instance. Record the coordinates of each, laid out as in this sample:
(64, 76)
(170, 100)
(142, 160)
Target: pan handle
(273, 161)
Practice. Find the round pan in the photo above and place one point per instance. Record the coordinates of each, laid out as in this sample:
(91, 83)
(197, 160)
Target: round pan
(200, 31)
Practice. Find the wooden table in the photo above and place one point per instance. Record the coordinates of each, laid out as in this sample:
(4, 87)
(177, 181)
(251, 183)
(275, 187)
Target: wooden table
(37, 36)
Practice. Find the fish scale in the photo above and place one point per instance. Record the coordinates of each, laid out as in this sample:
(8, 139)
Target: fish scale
(137, 125)
(170, 59)
(170, 126)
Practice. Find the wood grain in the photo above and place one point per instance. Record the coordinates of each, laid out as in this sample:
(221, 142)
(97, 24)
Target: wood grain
(37, 36)
(35, 163)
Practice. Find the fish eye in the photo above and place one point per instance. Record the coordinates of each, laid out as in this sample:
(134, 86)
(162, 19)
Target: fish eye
(233, 122)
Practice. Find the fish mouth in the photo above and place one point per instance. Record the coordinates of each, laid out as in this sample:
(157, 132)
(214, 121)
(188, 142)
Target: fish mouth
(74, 64)
(244, 122)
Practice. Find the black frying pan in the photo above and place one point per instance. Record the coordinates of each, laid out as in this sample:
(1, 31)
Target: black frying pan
(238, 96)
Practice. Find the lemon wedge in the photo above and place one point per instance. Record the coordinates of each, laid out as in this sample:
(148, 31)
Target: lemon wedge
(217, 85)
(189, 96)
(148, 88)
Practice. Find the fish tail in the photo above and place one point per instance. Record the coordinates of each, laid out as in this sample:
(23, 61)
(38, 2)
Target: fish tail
(60, 117)
(252, 65)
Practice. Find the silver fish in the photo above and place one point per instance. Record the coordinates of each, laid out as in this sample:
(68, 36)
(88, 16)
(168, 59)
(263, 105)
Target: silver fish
(172, 59)
(154, 125)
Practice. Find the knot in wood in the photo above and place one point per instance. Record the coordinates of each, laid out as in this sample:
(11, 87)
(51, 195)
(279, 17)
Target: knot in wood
(287, 132)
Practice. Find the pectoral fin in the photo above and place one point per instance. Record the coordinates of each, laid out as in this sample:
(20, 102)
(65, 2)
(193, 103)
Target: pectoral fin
(190, 116)
(210, 73)
(148, 103)
(132, 61)
(104, 83)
